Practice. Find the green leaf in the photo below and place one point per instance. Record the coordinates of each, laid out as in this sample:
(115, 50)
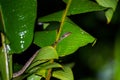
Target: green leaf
(83, 6)
(41, 69)
(76, 39)
(46, 53)
(4, 69)
(45, 38)
(65, 74)
(45, 25)
(111, 4)
(50, 65)
(18, 18)
(34, 77)
(42, 72)
(35, 63)
(52, 17)
(44, 67)
(76, 7)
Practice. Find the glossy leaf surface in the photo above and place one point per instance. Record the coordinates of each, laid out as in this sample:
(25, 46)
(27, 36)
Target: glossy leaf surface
(76, 39)
(83, 6)
(34, 77)
(18, 18)
(45, 38)
(45, 53)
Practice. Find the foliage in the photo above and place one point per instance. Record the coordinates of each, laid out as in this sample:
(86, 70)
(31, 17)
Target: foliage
(60, 36)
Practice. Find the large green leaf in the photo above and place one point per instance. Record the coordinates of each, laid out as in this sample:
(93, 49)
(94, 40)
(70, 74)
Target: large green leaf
(76, 39)
(65, 74)
(111, 4)
(18, 19)
(83, 6)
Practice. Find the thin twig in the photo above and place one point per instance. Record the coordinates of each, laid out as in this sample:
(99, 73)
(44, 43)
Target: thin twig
(58, 35)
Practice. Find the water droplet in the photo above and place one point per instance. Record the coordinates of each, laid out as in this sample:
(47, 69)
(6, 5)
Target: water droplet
(22, 41)
(22, 45)
(82, 32)
(23, 26)
(20, 17)
(8, 49)
(22, 34)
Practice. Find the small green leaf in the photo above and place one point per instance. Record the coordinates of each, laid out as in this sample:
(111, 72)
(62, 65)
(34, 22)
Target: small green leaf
(44, 67)
(76, 39)
(41, 69)
(35, 63)
(83, 6)
(65, 74)
(50, 65)
(45, 25)
(34, 77)
(111, 4)
(46, 53)
(42, 72)
(53, 26)
(18, 18)
(45, 38)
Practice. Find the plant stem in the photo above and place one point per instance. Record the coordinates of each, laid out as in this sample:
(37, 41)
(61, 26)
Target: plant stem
(10, 66)
(49, 71)
(58, 35)
(5, 71)
(63, 19)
